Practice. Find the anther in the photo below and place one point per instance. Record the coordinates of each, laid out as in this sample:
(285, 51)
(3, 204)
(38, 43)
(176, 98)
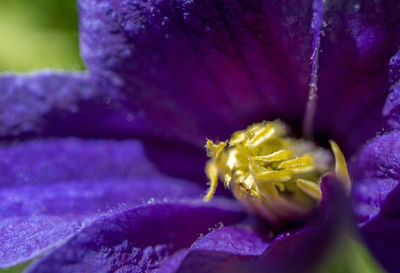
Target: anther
(272, 174)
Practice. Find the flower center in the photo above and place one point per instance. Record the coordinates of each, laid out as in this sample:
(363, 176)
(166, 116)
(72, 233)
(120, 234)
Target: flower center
(272, 174)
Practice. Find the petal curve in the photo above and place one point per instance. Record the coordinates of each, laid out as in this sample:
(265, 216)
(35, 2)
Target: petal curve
(304, 247)
(202, 68)
(359, 38)
(51, 189)
(128, 241)
(376, 197)
(54, 104)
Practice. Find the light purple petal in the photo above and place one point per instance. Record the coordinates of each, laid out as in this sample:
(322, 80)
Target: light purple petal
(51, 189)
(202, 68)
(358, 40)
(376, 197)
(138, 240)
(52, 104)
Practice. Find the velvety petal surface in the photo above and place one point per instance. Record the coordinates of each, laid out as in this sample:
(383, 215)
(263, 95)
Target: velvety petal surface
(129, 242)
(392, 106)
(297, 250)
(202, 68)
(376, 197)
(58, 104)
(42, 162)
(358, 39)
(51, 189)
(52, 104)
(222, 242)
(248, 247)
(138, 240)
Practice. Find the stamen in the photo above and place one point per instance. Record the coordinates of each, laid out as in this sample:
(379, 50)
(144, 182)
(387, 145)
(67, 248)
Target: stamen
(212, 174)
(277, 156)
(340, 165)
(309, 187)
(271, 173)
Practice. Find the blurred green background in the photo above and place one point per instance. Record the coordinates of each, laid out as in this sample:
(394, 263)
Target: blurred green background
(37, 34)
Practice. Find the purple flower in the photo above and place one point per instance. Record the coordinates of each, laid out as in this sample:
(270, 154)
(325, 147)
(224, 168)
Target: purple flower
(99, 170)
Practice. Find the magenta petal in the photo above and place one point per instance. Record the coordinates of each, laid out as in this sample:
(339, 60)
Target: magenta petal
(51, 189)
(52, 104)
(138, 240)
(202, 68)
(359, 38)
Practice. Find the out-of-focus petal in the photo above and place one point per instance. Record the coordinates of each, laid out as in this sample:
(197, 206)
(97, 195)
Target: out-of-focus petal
(358, 39)
(382, 232)
(178, 159)
(52, 104)
(202, 68)
(138, 240)
(376, 197)
(51, 189)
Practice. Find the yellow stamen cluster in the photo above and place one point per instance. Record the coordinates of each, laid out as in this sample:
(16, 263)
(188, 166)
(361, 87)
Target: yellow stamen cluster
(272, 174)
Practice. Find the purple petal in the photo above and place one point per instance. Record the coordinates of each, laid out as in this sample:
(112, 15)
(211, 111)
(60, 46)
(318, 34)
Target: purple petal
(202, 68)
(234, 240)
(51, 189)
(358, 40)
(138, 240)
(49, 104)
(394, 71)
(383, 238)
(376, 172)
(63, 104)
(376, 197)
(226, 242)
(50, 161)
(392, 106)
(178, 159)
(232, 249)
